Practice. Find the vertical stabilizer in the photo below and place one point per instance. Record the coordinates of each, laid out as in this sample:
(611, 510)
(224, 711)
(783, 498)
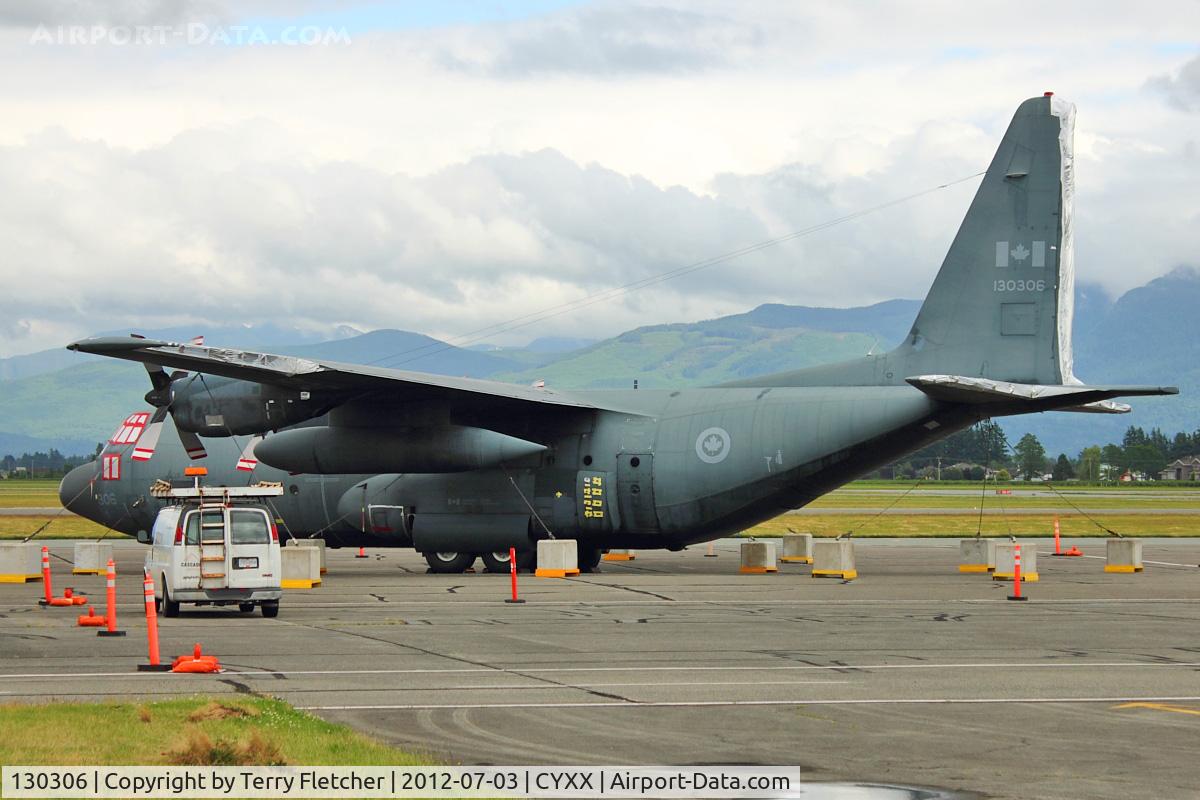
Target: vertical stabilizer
(1001, 306)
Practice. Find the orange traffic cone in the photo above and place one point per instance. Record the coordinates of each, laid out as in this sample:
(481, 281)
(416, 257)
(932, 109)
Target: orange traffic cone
(69, 598)
(362, 552)
(1074, 551)
(90, 620)
(196, 662)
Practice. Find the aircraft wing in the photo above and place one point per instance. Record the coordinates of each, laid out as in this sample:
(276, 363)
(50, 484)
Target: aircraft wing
(307, 374)
(1032, 397)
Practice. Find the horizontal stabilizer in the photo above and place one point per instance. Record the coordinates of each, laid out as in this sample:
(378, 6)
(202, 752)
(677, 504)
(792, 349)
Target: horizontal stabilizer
(1101, 407)
(1032, 397)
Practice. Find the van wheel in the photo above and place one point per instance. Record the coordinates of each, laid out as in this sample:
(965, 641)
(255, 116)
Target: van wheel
(449, 563)
(170, 608)
(496, 561)
(270, 609)
(246, 608)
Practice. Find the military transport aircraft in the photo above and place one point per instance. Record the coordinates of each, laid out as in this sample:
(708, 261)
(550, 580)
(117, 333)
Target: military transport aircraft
(457, 467)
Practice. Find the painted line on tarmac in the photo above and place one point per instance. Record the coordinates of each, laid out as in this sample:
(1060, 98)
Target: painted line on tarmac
(1144, 561)
(1161, 707)
(724, 703)
(402, 602)
(268, 673)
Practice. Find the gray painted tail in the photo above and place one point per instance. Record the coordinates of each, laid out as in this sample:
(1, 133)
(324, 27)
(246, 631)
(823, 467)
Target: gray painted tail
(1001, 306)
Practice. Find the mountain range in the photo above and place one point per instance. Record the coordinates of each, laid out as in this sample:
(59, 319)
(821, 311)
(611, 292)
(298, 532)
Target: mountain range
(69, 401)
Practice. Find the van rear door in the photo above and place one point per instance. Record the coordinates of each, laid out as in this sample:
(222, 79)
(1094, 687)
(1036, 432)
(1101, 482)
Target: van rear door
(250, 549)
(186, 556)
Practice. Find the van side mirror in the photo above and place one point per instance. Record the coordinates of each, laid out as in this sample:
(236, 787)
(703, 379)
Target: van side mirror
(143, 537)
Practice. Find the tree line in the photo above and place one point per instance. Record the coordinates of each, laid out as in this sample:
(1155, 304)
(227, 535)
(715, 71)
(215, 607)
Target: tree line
(41, 464)
(983, 449)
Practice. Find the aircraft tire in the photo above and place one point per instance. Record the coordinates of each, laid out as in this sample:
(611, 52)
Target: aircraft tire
(497, 561)
(526, 560)
(270, 609)
(589, 558)
(246, 608)
(170, 608)
(449, 563)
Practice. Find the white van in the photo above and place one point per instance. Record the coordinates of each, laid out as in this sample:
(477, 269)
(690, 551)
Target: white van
(215, 553)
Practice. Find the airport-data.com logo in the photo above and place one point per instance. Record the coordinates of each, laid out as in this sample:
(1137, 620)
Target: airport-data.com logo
(193, 33)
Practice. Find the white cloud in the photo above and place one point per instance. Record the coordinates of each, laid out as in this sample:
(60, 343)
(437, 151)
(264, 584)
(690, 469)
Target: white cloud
(443, 179)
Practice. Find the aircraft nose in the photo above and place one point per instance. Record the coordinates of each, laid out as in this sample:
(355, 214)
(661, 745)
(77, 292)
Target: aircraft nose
(74, 494)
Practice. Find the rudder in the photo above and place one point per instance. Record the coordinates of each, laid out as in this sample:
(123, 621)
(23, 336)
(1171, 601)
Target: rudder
(1001, 306)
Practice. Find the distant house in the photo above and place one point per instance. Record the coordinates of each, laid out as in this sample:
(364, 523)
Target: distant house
(1182, 469)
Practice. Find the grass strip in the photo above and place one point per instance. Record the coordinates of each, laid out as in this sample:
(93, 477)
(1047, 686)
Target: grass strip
(197, 730)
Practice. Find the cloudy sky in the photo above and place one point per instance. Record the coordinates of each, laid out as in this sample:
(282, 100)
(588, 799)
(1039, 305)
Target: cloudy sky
(449, 166)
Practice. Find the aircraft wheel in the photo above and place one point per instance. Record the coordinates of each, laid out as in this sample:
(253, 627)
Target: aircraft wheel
(170, 608)
(246, 608)
(496, 561)
(270, 609)
(526, 560)
(589, 558)
(449, 563)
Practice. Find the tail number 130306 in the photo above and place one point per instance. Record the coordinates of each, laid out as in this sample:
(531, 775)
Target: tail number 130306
(1018, 285)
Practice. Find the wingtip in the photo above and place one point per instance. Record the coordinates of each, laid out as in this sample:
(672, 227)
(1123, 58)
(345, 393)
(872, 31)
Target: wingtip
(107, 345)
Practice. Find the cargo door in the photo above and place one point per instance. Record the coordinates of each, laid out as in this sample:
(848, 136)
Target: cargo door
(249, 549)
(635, 493)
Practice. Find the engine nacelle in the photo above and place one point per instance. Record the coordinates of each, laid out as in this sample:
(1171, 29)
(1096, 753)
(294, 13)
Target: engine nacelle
(224, 407)
(342, 450)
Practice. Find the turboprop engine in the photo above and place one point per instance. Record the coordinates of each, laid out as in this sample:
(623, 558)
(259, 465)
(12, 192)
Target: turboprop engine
(337, 450)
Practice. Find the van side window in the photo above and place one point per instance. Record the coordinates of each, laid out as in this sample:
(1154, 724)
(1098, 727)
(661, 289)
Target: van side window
(191, 531)
(163, 534)
(248, 527)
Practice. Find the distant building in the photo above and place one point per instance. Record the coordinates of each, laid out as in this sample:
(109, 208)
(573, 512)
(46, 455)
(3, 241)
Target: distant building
(1182, 469)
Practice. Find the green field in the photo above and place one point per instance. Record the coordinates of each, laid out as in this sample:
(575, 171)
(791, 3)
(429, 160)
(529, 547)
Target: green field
(965, 525)
(871, 496)
(196, 730)
(36, 493)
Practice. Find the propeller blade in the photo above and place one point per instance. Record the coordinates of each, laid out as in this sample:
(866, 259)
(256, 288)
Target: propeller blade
(191, 443)
(158, 376)
(247, 462)
(144, 450)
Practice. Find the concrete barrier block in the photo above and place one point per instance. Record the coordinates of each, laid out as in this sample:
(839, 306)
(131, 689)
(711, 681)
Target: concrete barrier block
(1124, 555)
(1005, 562)
(834, 558)
(758, 558)
(557, 558)
(20, 562)
(977, 555)
(620, 555)
(301, 567)
(317, 543)
(91, 558)
(797, 548)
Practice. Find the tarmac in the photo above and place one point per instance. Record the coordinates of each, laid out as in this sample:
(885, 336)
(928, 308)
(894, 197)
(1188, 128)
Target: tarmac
(913, 674)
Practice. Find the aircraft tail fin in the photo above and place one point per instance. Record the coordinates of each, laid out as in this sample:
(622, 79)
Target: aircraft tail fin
(1001, 306)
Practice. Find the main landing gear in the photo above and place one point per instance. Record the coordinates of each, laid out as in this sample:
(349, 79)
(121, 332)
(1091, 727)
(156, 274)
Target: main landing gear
(453, 563)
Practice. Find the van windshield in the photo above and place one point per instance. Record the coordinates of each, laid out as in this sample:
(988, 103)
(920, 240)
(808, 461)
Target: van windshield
(248, 527)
